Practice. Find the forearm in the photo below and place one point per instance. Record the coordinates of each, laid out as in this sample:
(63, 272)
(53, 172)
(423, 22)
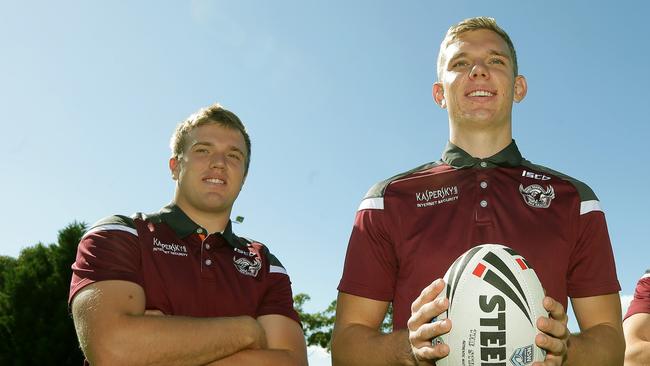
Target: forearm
(637, 353)
(361, 345)
(266, 357)
(169, 340)
(602, 344)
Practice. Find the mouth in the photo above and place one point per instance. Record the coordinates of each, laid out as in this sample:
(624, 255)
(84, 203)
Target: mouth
(481, 93)
(214, 181)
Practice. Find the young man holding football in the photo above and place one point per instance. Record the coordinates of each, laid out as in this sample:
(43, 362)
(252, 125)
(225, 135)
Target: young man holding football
(637, 325)
(178, 287)
(411, 227)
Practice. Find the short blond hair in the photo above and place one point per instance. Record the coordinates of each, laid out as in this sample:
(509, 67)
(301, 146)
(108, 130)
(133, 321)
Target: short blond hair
(472, 24)
(214, 114)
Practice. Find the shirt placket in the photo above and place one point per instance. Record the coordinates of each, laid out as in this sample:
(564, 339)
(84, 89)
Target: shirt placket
(483, 209)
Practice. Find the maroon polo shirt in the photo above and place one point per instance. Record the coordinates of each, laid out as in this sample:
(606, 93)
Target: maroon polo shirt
(410, 228)
(641, 301)
(182, 270)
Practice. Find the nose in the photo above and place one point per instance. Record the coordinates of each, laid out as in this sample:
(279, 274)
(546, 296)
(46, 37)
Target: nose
(218, 160)
(479, 71)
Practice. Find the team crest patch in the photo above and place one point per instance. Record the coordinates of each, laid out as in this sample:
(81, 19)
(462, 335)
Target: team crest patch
(536, 196)
(247, 266)
(248, 262)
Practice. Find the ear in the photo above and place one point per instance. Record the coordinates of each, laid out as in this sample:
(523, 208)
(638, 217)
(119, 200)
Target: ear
(438, 93)
(521, 88)
(174, 167)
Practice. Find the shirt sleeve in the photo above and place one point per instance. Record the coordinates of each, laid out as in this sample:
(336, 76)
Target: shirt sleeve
(592, 271)
(641, 301)
(106, 252)
(278, 298)
(371, 265)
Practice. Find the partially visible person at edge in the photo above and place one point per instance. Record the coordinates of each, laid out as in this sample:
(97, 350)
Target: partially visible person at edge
(636, 325)
(411, 227)
(179, 287)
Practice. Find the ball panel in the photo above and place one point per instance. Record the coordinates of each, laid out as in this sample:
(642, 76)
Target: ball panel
(495, 299)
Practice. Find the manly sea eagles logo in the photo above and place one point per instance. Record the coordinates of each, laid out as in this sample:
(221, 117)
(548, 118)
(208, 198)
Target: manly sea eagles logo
(536, 196)
(247, 266)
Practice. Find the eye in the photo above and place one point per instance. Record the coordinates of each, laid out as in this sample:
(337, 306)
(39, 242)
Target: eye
(202, 151)
(497, 61)
(460, 63)
(234, 155)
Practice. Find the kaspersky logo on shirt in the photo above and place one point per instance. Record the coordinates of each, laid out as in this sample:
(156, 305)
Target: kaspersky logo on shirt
(434, 197)
(171, 248)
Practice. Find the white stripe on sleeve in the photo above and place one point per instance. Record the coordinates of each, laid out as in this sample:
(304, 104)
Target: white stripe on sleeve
(277, 269)
(372, 204)
(588, 206)
(112, 227)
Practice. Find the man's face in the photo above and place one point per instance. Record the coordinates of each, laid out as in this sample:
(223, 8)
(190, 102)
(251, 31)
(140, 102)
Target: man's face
(211, 171)
(477, 83)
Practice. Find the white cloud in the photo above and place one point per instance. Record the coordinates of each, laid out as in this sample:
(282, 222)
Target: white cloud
(318, 356)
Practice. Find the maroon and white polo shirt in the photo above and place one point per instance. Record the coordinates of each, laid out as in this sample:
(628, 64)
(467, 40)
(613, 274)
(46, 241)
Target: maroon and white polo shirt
(641, 301)
(410, 228)
(182, 270)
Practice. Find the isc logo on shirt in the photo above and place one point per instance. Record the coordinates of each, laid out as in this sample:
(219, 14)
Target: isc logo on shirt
(534, 175)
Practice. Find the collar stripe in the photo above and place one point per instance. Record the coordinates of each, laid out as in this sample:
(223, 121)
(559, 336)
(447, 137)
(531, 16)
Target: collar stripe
(376, 203)
(588, 206)
(277, 269)
(112, 227)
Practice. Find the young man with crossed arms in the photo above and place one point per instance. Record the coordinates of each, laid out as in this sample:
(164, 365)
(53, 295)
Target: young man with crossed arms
(178, 287)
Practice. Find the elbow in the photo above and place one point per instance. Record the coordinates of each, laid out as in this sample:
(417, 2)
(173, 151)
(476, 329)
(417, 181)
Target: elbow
(338, 345)
(102, 353)
(110, 348)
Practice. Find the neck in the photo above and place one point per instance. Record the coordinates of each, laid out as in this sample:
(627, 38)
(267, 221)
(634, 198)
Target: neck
(480, 142)
(211, 221)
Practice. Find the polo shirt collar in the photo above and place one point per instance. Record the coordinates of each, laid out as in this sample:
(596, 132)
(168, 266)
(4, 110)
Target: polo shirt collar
(459, 158)
(183, 226)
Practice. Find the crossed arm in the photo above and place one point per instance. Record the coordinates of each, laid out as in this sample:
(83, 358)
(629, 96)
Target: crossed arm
(112, 328)
(357, 340)
(637, 336)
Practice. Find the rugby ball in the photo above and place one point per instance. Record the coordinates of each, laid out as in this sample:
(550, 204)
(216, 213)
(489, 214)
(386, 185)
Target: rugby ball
(495, 299)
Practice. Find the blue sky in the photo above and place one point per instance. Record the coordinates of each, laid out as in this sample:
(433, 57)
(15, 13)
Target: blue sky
(336, 96)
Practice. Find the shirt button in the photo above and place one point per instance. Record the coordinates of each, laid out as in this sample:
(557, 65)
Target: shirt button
(207, 246)
(199, 231)
(483, 184)
(208, 262)
(483, 203)
(483, 164)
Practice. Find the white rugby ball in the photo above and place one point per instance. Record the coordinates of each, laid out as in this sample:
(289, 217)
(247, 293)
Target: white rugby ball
(495, 299)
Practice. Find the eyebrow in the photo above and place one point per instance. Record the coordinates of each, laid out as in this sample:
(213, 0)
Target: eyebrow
(206, 143)
(492, 52)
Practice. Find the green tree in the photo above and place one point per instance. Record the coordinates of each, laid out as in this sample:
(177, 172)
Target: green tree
(7, 265)
(318, 326)
(34, 304)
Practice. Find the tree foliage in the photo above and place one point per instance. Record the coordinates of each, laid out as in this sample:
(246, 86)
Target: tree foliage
(318, 326)
(35, 324)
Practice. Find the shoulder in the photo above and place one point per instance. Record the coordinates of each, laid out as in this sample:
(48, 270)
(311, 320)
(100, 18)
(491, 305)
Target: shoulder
(275, 266)
(374, 198)
(114, 223)
(584, 191)
(379, 189)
